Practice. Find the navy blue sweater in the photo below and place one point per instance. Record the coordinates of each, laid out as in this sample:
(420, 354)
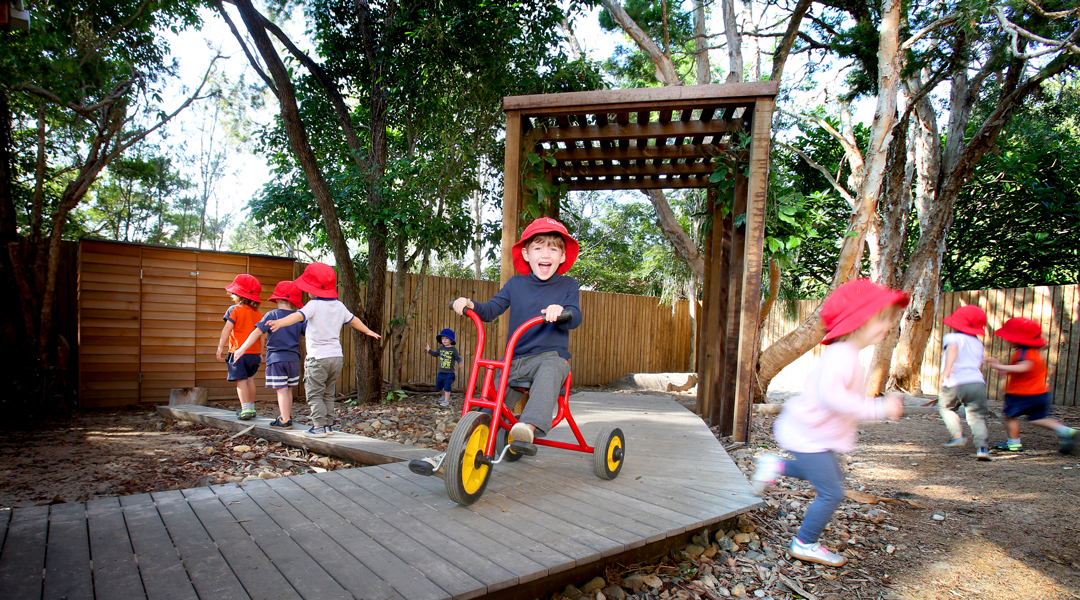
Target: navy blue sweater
(525, 296)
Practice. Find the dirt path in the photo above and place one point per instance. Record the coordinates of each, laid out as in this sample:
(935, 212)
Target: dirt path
(1007, 529)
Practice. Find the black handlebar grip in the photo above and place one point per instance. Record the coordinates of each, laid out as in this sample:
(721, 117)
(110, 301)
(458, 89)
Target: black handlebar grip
(565, 317)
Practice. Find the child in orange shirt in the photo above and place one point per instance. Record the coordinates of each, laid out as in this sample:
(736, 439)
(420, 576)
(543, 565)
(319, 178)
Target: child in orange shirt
(240, 321)
(1026, 392)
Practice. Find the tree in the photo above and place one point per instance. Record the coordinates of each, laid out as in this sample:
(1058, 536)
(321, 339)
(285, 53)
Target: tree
(79, 89)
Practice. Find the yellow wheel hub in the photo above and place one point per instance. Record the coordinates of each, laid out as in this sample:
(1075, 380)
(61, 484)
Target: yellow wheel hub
(472, 477)
(612, 462)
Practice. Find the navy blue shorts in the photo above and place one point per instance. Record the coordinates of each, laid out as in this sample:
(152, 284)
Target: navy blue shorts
(283, 374)
(1034, 407)
(248, 365)
(444, 381)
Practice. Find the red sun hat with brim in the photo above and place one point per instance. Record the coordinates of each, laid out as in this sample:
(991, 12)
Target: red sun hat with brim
(245, 286)
(319, 280)
(545, 225)
(968, 319)
(287, 290)
(1022, 331)
(853, 304)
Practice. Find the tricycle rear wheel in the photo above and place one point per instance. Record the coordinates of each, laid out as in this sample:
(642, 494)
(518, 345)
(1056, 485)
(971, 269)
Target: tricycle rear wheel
(466, 476)
(609, 452)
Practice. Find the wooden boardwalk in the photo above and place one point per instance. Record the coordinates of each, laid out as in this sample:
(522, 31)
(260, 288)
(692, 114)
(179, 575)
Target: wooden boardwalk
(382, 532)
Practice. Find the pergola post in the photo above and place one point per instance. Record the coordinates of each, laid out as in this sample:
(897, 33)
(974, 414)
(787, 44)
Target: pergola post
(757, 185)
(511, 207)
(712, 343)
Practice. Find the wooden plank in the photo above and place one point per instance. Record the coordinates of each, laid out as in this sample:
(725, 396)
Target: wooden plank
(163, 573)
(67, 563)
(751, 285)
(116, 574)
(259, 576)
(640, 130)
(310, 551)
(339, 498)
(405, 578)
(1074, 346)
(697, 168)
(637, 184)
(208, 571)
(575, 100)
(23, 556)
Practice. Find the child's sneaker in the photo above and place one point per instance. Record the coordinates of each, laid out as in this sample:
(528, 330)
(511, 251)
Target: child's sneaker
(816, 553)
(245, 414)
(955, 442)
(1067, 442)
(1009, 446)
(769, 469)
(277, 424)
(444, 403)
(319, 432)
(521, 433)
(983, 453)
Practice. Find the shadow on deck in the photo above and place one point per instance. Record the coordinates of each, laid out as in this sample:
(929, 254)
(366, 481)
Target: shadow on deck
(382, 532)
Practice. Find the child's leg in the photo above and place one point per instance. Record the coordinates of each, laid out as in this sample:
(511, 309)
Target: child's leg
(1053, 425)
(1012, 428)
(974, 398)
(252, 391)
(284, 403)
(315, 387)
(243, 391)
(548, 372)
(948, 401)
(333, 372)
(822, 470)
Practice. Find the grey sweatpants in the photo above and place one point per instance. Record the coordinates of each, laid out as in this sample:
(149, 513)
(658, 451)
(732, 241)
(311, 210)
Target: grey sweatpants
(548, 372)
(320, 385)
(973, 397)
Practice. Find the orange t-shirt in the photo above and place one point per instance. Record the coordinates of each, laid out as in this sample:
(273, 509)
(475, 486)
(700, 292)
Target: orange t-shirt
(1031, 382)
(243, 318)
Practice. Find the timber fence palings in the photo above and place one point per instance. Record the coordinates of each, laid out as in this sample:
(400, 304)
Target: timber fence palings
(1055, 308)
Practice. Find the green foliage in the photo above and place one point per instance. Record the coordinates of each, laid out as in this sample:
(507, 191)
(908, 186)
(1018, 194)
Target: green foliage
(615, 239)
(394, 396)
(630, 64)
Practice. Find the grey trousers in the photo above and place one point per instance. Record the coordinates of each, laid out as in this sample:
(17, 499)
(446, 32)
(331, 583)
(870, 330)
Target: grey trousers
(320, 385)
(973, 397)
(548, 372)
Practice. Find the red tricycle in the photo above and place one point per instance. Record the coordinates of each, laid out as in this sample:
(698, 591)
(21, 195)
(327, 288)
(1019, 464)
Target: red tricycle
(475, 446)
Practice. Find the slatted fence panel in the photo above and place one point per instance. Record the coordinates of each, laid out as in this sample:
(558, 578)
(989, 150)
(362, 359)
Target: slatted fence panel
(109, 304)
(1057, 309)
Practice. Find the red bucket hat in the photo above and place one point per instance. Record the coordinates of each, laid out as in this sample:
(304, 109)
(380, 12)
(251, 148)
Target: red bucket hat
(1022, 331)
(319, 280)
(545, 225)
(287, 290)
(968, 319)
(853, 303)
(245, 286)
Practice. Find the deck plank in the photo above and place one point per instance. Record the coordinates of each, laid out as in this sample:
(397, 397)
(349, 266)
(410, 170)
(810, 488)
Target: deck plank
(68, 573)
(260, 577)
(209, 571)
(163, 573)
(302, 571)
(443, 573)
(524, 569)
(116, 575)
(348, 572)
(23, 556)
(405, 578)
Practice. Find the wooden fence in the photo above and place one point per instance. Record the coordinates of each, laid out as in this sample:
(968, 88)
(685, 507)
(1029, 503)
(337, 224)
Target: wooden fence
(1056, 308)
(619, 334)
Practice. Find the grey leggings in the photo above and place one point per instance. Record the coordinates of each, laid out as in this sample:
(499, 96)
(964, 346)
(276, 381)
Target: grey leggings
(822, 470)
(548, 372)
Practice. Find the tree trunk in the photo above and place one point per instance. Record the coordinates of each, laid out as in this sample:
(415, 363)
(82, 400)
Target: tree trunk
(918, 325)
(701, 45)
(665, 68)
(734, 42)
(673, 231)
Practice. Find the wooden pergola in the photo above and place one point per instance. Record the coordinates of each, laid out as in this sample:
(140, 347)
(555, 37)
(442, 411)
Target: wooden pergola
(658, 138)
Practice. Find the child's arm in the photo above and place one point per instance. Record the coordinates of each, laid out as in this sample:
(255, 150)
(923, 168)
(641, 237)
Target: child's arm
(1021, 367)
(276, 324)
(569, 305)
(255, 333)
(487, 311)
(839, 391)
(223, 341)
(950, 358)
(358, 325)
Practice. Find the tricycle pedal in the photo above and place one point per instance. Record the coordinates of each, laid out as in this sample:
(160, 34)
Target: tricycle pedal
(523, 448)
(426, 466)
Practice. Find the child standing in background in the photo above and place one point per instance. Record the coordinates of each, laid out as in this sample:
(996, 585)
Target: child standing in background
(240, 321)
(962, 379)
(449, 360)
(1026, 392)
(324, 316)
(282, 350)
(824, 419)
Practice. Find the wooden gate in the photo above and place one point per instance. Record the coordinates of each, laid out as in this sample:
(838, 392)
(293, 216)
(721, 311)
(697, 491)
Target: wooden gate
(150, 319)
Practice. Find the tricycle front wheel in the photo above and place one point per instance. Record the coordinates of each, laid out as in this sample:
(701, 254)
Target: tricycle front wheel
(609, 452)
(466, 475)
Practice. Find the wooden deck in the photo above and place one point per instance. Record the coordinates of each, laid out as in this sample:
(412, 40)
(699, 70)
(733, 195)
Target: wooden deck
(382, 532)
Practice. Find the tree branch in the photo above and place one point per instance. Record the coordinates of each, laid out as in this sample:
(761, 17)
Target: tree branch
(665, 69)
(243, 46)
(813, 163)
(784, 49)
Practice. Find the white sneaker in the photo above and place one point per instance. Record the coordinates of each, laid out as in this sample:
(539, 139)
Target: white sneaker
(769, 469)
(816, 553)
(521, 433)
